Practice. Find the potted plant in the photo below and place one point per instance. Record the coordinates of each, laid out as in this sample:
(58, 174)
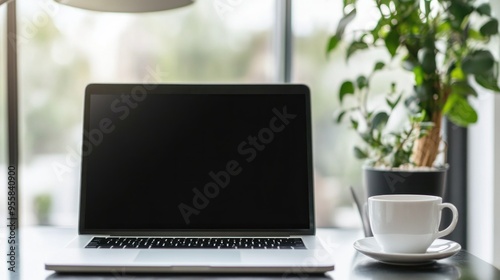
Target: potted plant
(43, 205)
(443, 44)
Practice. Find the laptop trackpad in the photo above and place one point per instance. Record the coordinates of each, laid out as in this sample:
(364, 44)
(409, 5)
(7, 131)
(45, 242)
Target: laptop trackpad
(188, 256)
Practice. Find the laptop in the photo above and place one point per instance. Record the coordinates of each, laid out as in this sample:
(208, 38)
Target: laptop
(196, 178)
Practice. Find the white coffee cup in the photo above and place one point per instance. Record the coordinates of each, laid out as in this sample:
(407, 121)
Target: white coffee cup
(408, 223)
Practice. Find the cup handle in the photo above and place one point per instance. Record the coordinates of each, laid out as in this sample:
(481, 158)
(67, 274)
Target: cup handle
(454, 221)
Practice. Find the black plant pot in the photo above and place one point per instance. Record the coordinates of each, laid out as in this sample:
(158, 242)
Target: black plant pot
(384, 181)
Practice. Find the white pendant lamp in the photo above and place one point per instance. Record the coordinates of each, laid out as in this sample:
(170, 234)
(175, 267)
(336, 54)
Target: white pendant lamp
(126, 6)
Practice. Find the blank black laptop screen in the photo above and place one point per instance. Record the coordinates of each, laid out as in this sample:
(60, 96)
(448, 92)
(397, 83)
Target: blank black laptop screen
(199, 158)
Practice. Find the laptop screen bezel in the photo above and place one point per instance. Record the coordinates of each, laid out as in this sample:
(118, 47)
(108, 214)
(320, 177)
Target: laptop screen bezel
(118, 89)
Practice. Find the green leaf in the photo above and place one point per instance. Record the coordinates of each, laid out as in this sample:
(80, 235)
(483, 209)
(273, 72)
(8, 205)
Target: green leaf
(332, 43)
(392, 42)
(378, 66)
(380, 120)
(359, 154)
(346, 88)
(367, 137)
(484, 9)
(354, 124)
(335, 39)
(489, 28)
(418, 118)
(391, 104)
(419, 75)
(386, 149)
(478, 62)
(444, 27)
(476, 35)
(463, 89)
(457, 74)
(362, 82)
(344, 22)
(349, 2)
(459, 111)
(488, 80)
(375, 32)
(340, 116)
(354, 47)
(460, 9)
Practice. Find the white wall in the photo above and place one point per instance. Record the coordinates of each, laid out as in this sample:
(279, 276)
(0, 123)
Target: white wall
(483, 183)
(484, 174)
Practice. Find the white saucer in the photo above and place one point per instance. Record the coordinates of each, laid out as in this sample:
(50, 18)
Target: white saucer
(439, 249)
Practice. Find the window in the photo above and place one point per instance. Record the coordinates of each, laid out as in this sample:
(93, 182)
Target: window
(335, 166)
(62, 49)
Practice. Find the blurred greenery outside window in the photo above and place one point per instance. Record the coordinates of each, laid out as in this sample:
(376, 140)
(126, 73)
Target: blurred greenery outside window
(62, 49)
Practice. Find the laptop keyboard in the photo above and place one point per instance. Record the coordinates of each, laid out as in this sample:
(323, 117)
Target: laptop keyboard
(194, 243)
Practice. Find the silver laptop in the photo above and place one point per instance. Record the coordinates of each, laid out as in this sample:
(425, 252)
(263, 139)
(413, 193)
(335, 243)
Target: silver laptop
(196, 178)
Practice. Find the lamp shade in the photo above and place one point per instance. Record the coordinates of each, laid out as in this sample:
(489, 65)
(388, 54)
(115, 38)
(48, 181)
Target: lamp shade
(126, 6)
